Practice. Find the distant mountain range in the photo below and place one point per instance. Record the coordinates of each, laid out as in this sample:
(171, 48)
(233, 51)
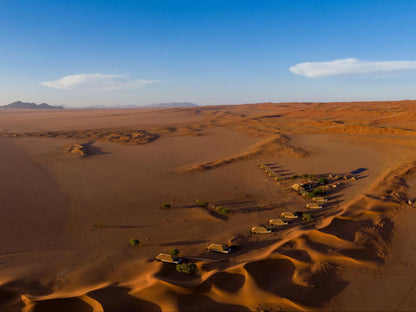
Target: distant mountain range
(24, 105)
(169, 105)
(157, 105)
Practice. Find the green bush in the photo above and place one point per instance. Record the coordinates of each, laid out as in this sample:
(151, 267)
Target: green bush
(134, 242)
(308, 217)
(166, 205)
(186, 268)
(308, 176)
(222, 210)
(201, 203)
(323, 181)
(295, 176)
(316, 192)
(174, 252)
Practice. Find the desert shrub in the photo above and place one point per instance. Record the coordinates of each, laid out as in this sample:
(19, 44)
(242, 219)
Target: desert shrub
(134, 242)
(222, 210)
(186, 268)
(316, 192)
(323, 181)
(201, 203)
(166, 205)
(308, 217)
(174, 252)
(295, 176)
(99, 225)
(308, 176)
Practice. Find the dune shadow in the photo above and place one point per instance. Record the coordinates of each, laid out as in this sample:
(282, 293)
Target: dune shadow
(62, 305)
(297, 254)
(345, 229)
(33, 288)
(276, 276)
(118, 299)
(229, 282)
(10, 300)
(94, 150)
(319, 247)
(358, 170)
(201, 303)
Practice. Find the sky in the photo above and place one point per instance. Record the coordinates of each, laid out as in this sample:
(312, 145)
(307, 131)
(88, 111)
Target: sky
(80, 53)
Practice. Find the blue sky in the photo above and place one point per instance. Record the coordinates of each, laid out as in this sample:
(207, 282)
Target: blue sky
(80, 53)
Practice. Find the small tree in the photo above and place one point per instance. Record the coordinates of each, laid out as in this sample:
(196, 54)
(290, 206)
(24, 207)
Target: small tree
(99, 225)
(222, 210)
(201, 203)
(174, 252)
(323, 181)
(134, 242)
(308, 217)
(316, 192)
(186, 268)
(166, 205)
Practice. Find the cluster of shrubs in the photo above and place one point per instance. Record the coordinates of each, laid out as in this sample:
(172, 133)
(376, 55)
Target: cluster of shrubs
(186, 268)
(323, 181)
(201, 203)
(134, 242)
(174, 252)
(166, 205)
(99, 225)
(308, 217)
(222, 210)
(308, 176)
(317, 192)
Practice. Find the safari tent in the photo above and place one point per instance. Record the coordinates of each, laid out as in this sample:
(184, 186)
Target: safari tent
(218, 248)
(313, 206)
(260, 230)
(168, 258)
(277, 222)
(287, 215)
(319, 200)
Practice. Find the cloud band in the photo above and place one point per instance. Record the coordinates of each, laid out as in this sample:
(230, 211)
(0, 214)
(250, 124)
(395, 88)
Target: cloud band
(95, 81)
(349, 66)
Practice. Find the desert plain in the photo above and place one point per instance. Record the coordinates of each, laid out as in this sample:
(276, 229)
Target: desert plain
(77, 184)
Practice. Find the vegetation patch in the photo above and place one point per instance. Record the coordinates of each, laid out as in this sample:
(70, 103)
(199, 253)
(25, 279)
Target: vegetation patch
(99, 225)
(316, 192)
(166, 205)
(323, 181)
(308, 217)
(201, 203)
(186, 268)
(134, 242)
(222, 210)
(174, 252)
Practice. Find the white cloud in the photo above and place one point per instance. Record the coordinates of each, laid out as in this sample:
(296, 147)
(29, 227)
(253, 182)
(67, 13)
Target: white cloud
(95, 81)
(349, 66)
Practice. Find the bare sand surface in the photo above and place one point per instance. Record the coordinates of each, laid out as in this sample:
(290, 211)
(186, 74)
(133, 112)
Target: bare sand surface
(77, 185)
